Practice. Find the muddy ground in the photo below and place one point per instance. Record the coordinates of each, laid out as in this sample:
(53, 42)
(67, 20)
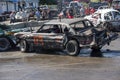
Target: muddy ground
(49, 65)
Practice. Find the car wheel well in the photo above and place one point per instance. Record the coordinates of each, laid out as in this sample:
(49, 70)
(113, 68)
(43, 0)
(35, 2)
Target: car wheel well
(74, 40)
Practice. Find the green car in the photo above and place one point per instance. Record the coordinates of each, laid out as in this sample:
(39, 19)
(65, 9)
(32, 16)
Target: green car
(7, 39)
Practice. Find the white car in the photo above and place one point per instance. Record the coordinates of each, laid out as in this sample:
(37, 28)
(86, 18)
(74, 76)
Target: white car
(44, 7)
(21, 15)
(110, 16)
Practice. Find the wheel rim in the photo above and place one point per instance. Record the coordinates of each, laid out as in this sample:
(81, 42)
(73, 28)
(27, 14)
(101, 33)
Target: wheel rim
(71, 48)
(4, 44)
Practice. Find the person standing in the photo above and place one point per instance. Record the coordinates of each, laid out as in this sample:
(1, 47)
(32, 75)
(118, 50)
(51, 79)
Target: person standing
(92, 10)
(23, 5)
(87, 10)
(82, 13)
(37, 13)
(19, 7)
(12, 17)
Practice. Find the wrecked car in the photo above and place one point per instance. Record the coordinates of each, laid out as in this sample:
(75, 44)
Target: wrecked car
(7, 39)
(108, 16)
(68, 35)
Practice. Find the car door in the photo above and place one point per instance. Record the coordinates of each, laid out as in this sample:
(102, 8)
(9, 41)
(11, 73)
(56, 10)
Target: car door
(49, 37)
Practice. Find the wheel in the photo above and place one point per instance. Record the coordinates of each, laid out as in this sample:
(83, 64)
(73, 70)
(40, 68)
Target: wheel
(4, 44)
(24, 47)
(72, 48)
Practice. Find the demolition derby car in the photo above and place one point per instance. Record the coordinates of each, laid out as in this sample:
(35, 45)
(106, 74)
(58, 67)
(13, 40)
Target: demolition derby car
(108, 17)
(69, 35)
(7, 39)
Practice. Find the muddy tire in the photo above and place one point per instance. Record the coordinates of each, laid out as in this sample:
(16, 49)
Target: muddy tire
(24, 47)
(72, 48)
(4, 44)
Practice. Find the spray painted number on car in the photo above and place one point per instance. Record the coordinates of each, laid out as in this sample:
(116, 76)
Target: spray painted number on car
(38, 40)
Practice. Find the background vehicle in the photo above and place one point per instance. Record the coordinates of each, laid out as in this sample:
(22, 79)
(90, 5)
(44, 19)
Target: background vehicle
(75, 6)
(97, 5)
(21, 16)
(116, 4)
(110, 16)
(103, 7)
(48, 13)
(7, 40)
(44, 7)
(69, 35)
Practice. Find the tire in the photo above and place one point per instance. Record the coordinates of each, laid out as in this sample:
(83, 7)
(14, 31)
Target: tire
(4, 44)
(72, 48)
(24, 47)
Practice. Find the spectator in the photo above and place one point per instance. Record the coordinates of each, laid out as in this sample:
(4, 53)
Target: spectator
(70, 13)
(82, 12)
(37, 13)
(60, 15)
(44, 14)
(23, 5)
(19, 7)
(92, 10)
(87, 10)
(49, 14)
(12, 17)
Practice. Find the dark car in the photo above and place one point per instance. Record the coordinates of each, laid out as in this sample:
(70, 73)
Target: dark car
(116, 4)
(97, 5)
(7, 39)
(68, 35)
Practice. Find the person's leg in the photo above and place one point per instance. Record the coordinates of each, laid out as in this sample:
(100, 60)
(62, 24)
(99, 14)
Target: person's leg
(10, 21)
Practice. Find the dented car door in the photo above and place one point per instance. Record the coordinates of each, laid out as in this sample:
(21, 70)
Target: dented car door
(49, 37)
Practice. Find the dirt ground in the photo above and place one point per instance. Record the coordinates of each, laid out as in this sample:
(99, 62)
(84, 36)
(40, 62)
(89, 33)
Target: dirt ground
(15, 65)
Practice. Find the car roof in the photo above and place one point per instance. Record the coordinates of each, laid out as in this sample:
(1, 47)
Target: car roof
(65, 21)
(105, 10)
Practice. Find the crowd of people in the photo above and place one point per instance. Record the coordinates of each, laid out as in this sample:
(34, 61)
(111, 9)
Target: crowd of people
(42, 14)
(37, 14)
(72, 12)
